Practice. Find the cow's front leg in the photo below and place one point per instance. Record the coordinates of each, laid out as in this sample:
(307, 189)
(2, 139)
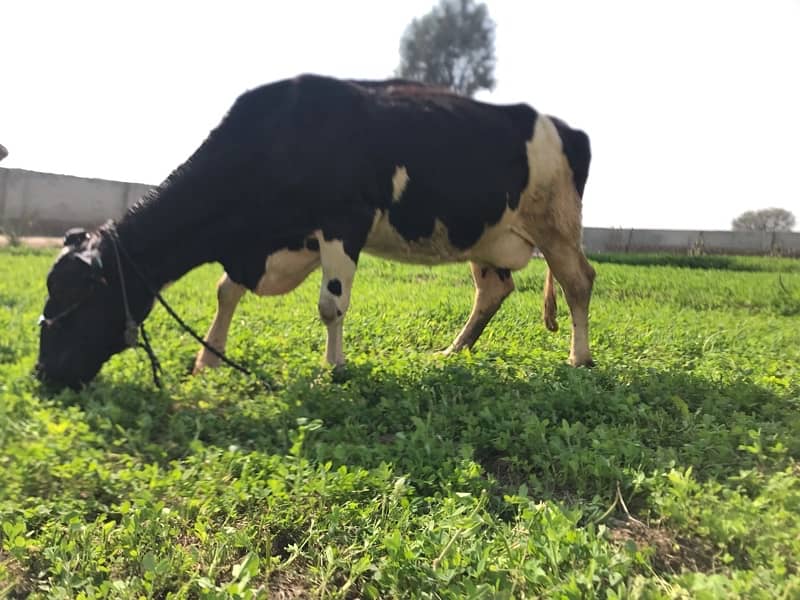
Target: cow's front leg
(492, 286)
(338, 271)
(228, 295)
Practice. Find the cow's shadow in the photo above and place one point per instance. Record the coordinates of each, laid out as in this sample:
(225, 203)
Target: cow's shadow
(563, 433)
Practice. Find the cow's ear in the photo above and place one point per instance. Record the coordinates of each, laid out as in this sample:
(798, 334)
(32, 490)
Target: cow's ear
(75, 237)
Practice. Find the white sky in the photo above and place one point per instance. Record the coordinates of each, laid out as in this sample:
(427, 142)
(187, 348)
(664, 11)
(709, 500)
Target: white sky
(693, 106)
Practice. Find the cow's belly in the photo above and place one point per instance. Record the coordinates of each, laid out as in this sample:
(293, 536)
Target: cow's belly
(385, 241)
(285, 270)
(503, 245)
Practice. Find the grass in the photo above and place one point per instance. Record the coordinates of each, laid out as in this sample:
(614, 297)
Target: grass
(668, 471)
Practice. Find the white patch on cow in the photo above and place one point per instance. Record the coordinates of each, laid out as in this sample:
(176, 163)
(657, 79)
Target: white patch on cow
(545, 155)
(550, 192)
(399, 183)
(285, 270)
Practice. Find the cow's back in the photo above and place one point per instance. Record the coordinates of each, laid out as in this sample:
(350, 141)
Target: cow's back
(464, 162)
(301, 154)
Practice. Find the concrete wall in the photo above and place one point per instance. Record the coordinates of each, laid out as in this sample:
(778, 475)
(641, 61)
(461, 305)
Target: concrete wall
(47, 204)
(691, 242)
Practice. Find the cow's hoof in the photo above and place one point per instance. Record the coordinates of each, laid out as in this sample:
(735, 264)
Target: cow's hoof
(447, 351)
(205, 360)
(197, 368)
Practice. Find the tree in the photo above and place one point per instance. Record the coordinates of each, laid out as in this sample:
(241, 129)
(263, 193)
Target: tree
(452, 46)
(766, 219)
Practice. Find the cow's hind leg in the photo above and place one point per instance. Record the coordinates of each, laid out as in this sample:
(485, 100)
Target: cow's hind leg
(492, 286)
(228, 295)
(338, 272)
(550, 307)
(576, 276)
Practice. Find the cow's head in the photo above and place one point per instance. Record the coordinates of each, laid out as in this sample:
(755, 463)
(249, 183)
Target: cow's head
(83, 321)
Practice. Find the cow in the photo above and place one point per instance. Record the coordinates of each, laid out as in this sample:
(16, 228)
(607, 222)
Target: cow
(313, 171)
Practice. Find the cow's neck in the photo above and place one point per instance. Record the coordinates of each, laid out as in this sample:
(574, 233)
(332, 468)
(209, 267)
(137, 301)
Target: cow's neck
(167, 235)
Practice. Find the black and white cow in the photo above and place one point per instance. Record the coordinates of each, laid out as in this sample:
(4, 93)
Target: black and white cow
(312, 171)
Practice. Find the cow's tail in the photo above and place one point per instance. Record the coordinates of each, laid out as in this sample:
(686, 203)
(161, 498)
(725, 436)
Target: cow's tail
(550, 309)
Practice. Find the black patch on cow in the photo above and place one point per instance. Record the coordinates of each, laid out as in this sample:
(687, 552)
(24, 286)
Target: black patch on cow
(246, 269)
(577, 150)
(503, 274)
(354, 244)
(466, 162)
(296, 244)
(312, 244)
(335, 287)
(351, 228)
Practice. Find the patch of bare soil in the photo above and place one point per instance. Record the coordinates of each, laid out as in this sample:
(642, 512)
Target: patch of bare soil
(288, 586)
(671, 553)
(18, 586)
(503, 470)
(32, 241)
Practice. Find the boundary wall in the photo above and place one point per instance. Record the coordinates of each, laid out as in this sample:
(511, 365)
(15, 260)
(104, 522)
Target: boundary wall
(45, 204)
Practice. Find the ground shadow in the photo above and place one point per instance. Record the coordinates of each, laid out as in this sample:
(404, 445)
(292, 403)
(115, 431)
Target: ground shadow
(574, 436)
(563, 433)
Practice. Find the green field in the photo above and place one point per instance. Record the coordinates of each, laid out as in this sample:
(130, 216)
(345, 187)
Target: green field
(670, 470)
